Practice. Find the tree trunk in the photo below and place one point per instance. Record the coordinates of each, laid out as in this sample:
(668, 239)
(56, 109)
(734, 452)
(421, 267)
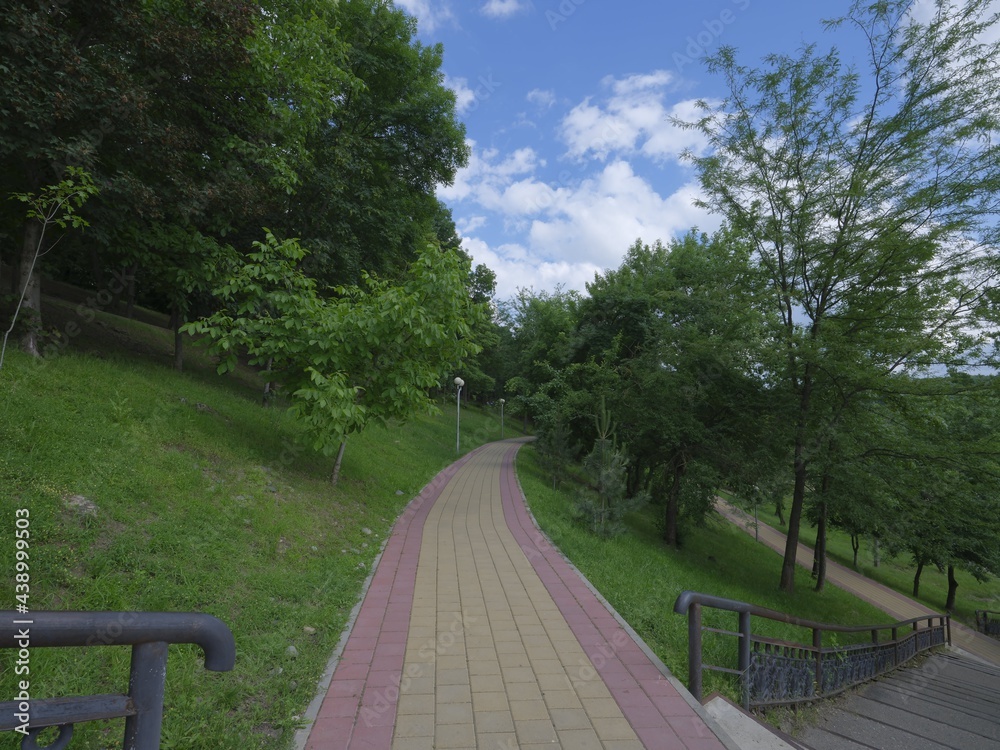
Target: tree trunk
(31, 307)
(96, 268)
(787, 583)
(779, 510)
(265, 399)
(820, 549)
(855, 545)
(916, 578)
(677, 468)
(130, 292)
(335, 477)
(949, 605)
(176, 321)
(875, 551)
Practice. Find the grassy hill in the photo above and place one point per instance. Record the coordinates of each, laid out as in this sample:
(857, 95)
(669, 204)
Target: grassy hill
(153, 490)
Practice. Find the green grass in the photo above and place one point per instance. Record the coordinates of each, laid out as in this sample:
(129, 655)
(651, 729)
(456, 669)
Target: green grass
(642, 578)
(205, 503)
(897, 573)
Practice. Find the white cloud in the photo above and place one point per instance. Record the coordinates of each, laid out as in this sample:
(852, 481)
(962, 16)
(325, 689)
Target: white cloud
(541, 98)
(429, 13)
(632, 120)
(516, 268)
(504, 8)
(562, 233)
(596, 221)
(465, 97)
(487, 176)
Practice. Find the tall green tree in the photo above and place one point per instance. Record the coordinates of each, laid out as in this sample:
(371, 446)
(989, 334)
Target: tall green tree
(869, 199)
(679, 325)
(366, 195)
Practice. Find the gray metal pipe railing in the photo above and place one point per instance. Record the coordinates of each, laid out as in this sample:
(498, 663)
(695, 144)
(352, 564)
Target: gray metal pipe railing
(690, 603)
(149, 634)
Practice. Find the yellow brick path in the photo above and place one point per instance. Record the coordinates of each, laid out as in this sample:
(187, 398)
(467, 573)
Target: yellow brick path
(505, 646)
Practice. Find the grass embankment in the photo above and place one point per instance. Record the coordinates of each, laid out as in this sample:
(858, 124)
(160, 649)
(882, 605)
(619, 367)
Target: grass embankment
(204, 502)
(897, 573)
(641, 578)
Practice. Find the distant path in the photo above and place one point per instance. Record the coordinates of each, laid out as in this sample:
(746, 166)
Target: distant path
(891, 602)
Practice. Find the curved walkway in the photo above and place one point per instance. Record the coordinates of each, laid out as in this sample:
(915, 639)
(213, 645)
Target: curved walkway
(891, 602)
(475, 633)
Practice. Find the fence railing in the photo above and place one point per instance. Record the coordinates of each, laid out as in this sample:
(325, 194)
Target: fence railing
(774, 672)
(988, 622)
(148, 633)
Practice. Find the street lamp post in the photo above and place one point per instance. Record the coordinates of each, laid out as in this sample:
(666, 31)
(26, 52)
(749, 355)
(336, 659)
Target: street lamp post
(502, 402)
(458, 412)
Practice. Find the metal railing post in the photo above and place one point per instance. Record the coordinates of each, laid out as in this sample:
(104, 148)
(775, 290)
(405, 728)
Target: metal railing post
(744, 660)
(818, 645)
(694, 650)
(146, 683)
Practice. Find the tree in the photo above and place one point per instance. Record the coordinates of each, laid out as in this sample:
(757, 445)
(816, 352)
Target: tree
(868, 204)
(56, 206)
(605, 503)
(678, 325)
(369, 354)
(366, 199)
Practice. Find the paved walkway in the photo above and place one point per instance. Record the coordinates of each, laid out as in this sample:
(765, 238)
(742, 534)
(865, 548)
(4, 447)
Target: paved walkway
(475, 633)
(891, 602)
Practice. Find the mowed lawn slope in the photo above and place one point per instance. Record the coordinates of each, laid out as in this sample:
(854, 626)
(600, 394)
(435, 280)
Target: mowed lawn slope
(152, 490)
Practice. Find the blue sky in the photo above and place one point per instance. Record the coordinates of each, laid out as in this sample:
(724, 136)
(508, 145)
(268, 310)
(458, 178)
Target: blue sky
(568, 105)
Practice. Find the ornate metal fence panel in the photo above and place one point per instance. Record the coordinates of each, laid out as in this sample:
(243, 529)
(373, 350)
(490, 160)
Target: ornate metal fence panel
(988, 622)
(773, 672)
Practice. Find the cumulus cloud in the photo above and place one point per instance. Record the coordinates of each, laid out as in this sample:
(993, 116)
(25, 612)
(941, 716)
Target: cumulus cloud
(563, 232)
(633, 118)
(504, 8)
(488, 175)
(430, 14)
(465, 97)
(541, 98)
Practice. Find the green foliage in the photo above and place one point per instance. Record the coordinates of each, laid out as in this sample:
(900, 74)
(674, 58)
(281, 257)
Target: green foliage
(868, 201)
(603, 506)
(54, 205)
(367, 355)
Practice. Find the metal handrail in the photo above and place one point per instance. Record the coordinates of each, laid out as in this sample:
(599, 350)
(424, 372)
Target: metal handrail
(148, 633)
(890, 654)
(986, 624)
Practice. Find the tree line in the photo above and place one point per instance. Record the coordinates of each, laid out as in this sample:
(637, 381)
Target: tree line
(831, 348)
(199, 123)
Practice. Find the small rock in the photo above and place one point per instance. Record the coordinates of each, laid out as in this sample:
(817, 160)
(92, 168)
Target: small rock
(277, 671)
(309, 630)
(400, 493)
(314, 548)
(366, 531)
(81, 505)
(361, 566)
(291, 652)
(240, 498)
(364, 545)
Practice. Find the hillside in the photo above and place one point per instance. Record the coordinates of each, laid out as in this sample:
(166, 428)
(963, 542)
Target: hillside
(153, 490)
